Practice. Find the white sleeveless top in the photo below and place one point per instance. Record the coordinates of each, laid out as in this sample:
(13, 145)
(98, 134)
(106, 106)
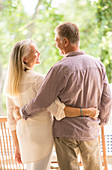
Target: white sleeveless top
(34, 134)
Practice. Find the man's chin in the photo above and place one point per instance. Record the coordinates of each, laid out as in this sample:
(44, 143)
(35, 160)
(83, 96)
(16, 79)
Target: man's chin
(61, 53)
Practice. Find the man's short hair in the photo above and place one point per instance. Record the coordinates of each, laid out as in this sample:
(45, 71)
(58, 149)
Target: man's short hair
(70, 31)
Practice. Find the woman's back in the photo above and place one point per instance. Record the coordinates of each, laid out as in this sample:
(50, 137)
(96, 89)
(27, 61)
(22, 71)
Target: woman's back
(34, 134)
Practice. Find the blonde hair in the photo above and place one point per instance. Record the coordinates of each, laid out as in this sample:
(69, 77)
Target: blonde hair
(16, 67)
(70, 31)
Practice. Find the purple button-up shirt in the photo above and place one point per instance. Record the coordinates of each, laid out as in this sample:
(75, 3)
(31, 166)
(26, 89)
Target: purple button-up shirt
(78, 80)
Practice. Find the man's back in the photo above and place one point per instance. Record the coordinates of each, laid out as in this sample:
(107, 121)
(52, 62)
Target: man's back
(85, 76)
(84, 81)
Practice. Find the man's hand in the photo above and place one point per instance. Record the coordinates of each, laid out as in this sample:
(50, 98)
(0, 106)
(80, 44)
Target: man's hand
(16, 113)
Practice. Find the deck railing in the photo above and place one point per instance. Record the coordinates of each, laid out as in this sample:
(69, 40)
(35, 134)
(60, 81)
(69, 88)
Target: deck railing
(7, 161)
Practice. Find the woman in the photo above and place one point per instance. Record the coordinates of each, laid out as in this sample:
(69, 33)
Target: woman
(32, 137)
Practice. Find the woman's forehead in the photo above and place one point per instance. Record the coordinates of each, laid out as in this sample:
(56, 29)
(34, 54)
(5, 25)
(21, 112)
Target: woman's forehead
(33, 47)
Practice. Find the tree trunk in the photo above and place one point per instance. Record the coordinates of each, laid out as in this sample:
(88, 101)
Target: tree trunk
(30, 26)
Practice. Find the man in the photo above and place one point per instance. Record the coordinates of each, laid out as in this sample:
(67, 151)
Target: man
(78, 80)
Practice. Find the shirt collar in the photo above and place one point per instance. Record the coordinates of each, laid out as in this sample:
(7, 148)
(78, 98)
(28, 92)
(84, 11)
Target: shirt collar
(73, 53)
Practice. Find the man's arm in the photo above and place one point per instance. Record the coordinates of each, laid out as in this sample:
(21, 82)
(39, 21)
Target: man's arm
(53, 84)
(106, 102)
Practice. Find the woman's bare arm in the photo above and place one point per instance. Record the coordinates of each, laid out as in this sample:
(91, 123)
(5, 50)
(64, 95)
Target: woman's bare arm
(16, 145)
(74, 112)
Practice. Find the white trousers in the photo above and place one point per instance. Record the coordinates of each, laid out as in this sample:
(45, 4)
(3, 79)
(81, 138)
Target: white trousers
(43, 164)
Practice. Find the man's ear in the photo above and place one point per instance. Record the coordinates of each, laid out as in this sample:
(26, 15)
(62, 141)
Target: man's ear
(65, 42)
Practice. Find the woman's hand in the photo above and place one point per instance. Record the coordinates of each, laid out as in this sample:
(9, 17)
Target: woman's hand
(16, 113)
(18, 156)
(91, 112)
(74, 112)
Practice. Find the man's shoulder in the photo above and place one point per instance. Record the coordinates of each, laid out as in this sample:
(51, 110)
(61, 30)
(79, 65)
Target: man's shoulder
(57, 70)
(56, 66)
(74, 63)
(92, 59)
(97, 60)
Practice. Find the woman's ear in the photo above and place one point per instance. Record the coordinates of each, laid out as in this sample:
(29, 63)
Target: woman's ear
(25, 60)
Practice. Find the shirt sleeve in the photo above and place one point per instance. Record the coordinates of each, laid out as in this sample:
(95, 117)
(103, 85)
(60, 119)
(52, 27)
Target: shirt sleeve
(106, 102)
(53, 84)
(11, 123)
(57, 109)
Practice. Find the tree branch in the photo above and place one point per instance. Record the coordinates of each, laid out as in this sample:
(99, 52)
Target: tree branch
(36, 9)
(1, 6)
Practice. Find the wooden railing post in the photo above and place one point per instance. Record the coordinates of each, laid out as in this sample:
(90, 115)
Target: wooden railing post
(104, 148)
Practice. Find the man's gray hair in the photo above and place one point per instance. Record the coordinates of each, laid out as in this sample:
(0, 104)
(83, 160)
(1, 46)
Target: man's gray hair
(70, 31)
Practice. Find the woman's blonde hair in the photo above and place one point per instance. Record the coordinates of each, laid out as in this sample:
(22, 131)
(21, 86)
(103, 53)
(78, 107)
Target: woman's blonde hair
(16, 67)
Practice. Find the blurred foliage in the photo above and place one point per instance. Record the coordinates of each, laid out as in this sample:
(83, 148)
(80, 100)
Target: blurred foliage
(92, 16)
(104, 34)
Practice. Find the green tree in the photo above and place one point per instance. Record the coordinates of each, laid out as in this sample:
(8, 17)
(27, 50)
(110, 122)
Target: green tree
(104, 33)
(16, 24)
(93, 18)
(12, 17)
(95, 23)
